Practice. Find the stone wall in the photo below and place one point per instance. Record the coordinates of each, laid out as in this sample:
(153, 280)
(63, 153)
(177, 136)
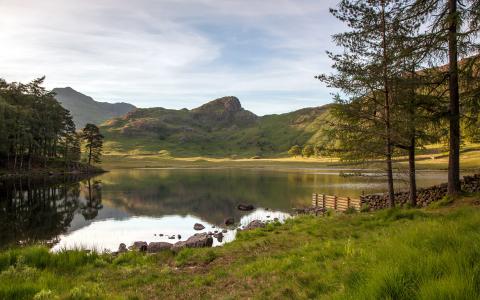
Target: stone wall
(425, 196)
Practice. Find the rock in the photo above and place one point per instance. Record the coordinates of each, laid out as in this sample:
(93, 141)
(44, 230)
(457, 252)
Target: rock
(229, 221)
(254, 224)
(219, 237)
(198, 226)
(268, 216)
(139, 246)
(122, 248)
(154, 247)
(245, 207)
(224, 231)
(172, 237)
(179, 237)
(199, 240)
(275, 219)
(160, 234)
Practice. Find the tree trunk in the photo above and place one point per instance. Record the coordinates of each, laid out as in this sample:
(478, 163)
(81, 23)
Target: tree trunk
(412, 177)
(89, 154)
(388, 142)
(454, 143)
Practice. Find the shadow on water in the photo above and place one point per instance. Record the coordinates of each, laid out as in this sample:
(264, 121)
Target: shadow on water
(39, 210)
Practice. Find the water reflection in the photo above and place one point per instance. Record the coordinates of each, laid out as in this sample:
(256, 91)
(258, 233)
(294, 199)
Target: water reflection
(128, 205)
(36, 210)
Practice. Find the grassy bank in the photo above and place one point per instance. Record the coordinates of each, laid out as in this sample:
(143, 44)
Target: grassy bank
(393, 254)
(433, 158)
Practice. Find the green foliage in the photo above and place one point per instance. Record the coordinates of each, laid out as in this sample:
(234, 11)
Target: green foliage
(34, 127)
(93, 143)
(445, 201)
(350, 210)
(308, 151)
(295, 150)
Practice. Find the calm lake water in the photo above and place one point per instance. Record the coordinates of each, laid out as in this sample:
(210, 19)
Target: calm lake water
(141, 204)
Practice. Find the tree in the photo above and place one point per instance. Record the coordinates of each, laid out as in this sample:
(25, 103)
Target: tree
(296, 150)
(33, 126)
(454, 26)
(366, 72)
(93, 143)
(308, 151)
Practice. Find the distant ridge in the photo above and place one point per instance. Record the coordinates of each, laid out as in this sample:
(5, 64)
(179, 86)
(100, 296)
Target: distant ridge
(85, 109)
(219, 128)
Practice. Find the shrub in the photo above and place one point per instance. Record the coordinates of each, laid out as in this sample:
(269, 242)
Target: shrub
(308, 151)
(295, 151)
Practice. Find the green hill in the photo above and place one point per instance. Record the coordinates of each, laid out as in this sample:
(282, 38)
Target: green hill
(220, 128)
(85, 110)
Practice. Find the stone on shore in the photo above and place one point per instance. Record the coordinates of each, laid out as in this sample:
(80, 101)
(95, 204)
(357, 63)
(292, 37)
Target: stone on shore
(122, 248)
(198, 240)
(254, 224)
(155, 247)
(139, 246)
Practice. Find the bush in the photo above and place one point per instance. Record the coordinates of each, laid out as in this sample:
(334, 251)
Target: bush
(295, 151)
(308, 151)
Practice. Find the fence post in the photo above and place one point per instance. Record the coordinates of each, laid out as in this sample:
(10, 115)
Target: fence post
(335, 202)
(348, 202)
(323, 201)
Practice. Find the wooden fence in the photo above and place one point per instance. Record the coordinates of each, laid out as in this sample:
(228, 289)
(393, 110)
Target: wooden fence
(335, 202)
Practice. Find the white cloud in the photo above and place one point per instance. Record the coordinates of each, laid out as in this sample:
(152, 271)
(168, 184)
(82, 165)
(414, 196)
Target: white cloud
(156, 53)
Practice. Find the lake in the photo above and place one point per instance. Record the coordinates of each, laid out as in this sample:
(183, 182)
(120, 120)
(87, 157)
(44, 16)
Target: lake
(159, 204)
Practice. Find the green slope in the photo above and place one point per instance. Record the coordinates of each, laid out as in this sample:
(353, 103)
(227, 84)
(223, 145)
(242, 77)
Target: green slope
(86, 110)
(220, 128)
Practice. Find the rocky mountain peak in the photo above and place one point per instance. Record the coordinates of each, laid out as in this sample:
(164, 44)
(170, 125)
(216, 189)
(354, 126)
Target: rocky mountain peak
(229, 104)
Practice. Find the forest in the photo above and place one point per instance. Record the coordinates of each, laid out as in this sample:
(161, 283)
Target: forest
(36, 131)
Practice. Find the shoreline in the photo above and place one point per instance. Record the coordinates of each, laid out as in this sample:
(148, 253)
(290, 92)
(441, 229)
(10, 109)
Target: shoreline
(51, 172)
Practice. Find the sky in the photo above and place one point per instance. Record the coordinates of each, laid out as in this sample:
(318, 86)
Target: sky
(173, 53)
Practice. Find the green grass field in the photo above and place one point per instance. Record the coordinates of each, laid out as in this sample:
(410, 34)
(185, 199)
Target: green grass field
(391, 254)
(434, 157)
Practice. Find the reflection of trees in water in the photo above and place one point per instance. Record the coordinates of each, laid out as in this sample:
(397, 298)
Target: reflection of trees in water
(93, 197)
(209, 194)
(37, 209)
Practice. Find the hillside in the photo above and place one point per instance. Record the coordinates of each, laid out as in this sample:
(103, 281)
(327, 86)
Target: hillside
(85, 109)
(220, 128)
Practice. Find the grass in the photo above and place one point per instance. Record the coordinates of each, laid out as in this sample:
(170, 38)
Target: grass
(432, 158)
(431, 253)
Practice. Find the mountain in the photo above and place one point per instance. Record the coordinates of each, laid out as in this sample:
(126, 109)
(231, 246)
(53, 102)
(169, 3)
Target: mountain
(86, 110)
(219, 128)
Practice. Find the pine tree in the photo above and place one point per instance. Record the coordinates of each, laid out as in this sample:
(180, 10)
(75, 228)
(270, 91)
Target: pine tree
(454, 24)
(93, 143)
(366, 73)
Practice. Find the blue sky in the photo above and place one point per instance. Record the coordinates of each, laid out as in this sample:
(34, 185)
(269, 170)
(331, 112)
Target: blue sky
(173, 53)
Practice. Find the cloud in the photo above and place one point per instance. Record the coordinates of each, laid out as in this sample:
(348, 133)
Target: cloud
(177, 53)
